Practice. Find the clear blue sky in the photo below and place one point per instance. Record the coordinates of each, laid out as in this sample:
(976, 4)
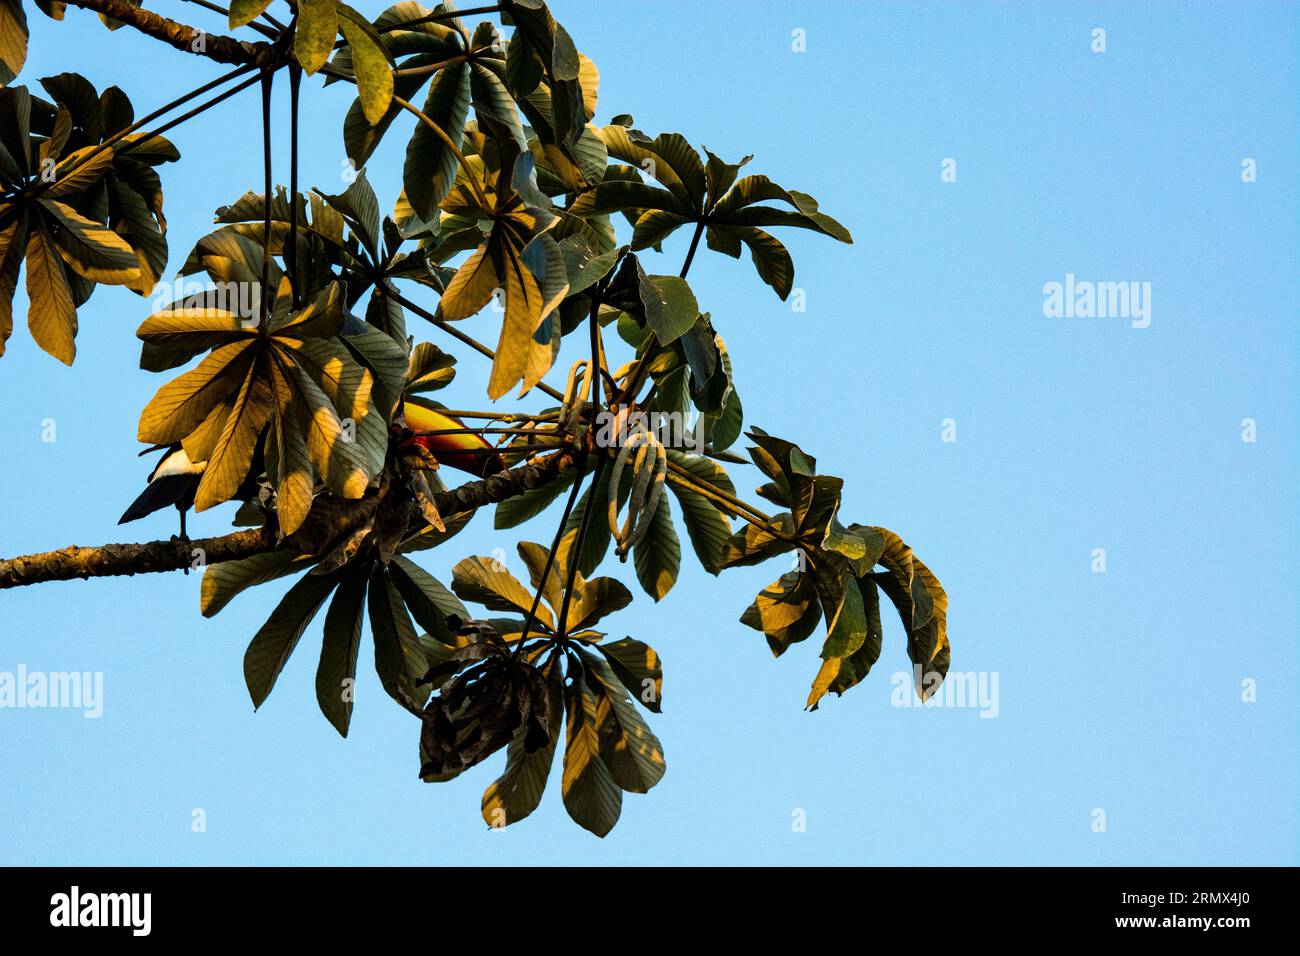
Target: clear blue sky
(1119, 691)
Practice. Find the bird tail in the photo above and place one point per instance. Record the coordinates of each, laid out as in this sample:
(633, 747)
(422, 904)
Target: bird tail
(169, 490)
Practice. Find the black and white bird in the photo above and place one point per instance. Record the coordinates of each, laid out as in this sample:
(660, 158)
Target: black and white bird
(174, 481)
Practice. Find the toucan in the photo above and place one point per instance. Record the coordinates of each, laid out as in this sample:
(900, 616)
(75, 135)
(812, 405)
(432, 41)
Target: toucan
(175, 479)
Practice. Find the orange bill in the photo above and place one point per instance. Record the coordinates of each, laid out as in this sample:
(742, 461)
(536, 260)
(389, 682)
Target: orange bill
(465, 452)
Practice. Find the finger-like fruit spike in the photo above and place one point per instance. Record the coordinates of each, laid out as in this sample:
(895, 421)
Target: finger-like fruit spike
(465, 452)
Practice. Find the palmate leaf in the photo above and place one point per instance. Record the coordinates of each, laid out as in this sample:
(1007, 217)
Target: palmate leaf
(392, 595)
(66, 252)
(520, 263)
(708, 194)
(103, 204)
(300, 383)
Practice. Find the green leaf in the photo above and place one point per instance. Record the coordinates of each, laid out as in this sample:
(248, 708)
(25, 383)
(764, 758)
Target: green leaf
(673, 310)
(594, 600)
(13, 240)
(535, 284)
(591, 796)
(430, 369)
(752, 545)
(271, 646)
(446, 603)
(638, 668)
(535, 558)
(232, 454)
(922, 605)
(226, 579)
(658, 555)
(856, 667)
(75, 173)
(515, 511)
(630, 750)
(400, 659)
(720, 175)
(336, 674)
(485, 581)
(787, 611)
(846, 619)
(428, 601)
(93, 251)
(431, 164)
(771, 258)
(707, 526)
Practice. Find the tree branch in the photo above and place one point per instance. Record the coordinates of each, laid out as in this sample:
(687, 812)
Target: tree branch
(214, 46)
(173, 555)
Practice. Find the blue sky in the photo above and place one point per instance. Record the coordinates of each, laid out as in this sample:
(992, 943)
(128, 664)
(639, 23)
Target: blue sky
(1119, 690)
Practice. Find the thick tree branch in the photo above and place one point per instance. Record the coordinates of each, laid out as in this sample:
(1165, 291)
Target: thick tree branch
(214, 46)
(128, 559)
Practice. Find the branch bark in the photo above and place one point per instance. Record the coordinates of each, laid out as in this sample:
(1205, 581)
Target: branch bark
(110, 560)
(214, 46)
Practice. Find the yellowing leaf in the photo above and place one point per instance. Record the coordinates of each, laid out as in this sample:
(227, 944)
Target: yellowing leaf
(318, 24)
(373, 72)
(51, 316)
